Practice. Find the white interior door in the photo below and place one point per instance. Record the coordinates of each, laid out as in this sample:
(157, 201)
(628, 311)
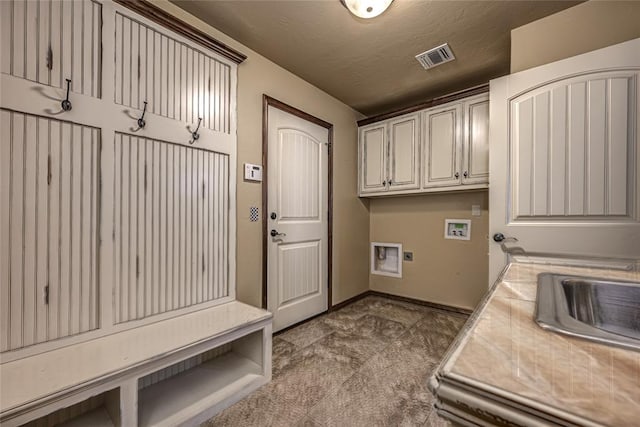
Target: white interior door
(298, 213)
(564, 158)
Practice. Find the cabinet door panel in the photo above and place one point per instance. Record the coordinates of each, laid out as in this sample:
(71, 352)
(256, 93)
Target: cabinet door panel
(48, 41)
(404, 159)
(476, 147)
(373, 159)
(49, 253)
(442, 145)
(176, 80)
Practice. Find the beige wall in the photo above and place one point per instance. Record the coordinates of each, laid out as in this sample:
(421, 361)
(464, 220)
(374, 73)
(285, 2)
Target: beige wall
(579, 29)
(451, 272)
(257, 76)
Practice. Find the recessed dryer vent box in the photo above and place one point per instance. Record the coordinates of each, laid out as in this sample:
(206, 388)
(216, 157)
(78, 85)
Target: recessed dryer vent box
(458, 229)
(386, 259)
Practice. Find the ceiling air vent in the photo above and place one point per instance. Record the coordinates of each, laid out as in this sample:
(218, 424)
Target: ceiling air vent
(436, 56)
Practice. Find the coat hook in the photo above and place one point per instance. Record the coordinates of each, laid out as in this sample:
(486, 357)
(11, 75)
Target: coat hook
(66, 104)
(195, 135)
(141, 122)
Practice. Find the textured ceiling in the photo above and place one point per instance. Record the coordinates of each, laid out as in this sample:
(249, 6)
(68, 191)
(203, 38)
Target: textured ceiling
(370, 64)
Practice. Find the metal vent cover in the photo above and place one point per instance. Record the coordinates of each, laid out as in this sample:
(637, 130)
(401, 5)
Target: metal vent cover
(436, 56)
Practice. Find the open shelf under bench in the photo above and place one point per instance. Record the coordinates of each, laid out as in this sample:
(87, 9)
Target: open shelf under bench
(44, 383)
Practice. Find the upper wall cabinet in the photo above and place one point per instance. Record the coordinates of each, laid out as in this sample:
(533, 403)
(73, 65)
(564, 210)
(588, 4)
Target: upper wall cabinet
(389, 159)
(444, 148)
(49, 41)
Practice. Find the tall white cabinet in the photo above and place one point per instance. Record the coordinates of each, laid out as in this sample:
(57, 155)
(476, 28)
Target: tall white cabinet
(444, 148)
(117, 219)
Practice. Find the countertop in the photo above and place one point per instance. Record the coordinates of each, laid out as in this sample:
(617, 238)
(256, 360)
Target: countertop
(505, 358)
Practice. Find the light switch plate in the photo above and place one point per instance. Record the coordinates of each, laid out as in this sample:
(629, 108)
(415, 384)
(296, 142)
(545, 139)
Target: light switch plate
(475, 210)
(252, 172)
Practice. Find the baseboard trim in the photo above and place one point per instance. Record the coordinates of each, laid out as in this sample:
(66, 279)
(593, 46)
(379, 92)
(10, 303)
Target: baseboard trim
(435, 306)
(349, 301)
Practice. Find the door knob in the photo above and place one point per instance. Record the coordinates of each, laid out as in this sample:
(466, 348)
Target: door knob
(274, 233)
(499, 237)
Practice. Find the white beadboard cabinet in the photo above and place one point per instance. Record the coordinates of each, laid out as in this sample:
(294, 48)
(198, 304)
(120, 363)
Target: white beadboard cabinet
(443, 148)
(114, 237)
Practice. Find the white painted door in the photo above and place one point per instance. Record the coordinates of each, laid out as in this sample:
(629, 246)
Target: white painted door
(373, 158)
(404, 160)
(442, 145)
(564, 159)
(475, 169)
(297, 198)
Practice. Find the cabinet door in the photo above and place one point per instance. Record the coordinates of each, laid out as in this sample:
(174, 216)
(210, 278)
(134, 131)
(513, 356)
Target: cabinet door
(49, 41)
(476, 141)
(442, 146)
(404, 156)
(373, 158)
(49, 204)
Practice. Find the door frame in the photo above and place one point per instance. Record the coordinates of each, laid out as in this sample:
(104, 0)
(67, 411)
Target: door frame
(268, 101)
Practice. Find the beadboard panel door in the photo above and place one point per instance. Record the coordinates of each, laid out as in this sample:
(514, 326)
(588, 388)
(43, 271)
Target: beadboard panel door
(171, 227)
(404, 157)
(113, 125)
(49, 41)
(565, 157)
(49, 257)
(573, 149)
(175, 79)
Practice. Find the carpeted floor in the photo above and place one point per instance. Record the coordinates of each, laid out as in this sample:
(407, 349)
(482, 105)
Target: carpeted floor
(366, 364)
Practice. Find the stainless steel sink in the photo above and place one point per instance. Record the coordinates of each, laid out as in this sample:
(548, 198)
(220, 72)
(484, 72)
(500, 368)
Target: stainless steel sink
(606, 311)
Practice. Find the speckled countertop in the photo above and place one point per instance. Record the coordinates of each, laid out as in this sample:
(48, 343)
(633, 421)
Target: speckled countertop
(505, 355)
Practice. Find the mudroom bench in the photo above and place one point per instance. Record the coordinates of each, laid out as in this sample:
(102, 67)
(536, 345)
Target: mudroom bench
(179, 371)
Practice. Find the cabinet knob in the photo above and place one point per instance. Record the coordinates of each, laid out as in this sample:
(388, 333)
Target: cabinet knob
(384, 183)
(465, 174)
(457, 175)
(390, 182)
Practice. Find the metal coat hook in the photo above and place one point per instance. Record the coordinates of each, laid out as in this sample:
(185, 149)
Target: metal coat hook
(195, 135)
(66, 104)
(141, 122)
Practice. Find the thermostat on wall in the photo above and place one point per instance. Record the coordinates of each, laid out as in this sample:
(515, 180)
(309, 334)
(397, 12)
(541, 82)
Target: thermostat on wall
(459, 229)
(252, 172)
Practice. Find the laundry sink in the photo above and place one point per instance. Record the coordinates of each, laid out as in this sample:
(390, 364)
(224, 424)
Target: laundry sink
(606, 311)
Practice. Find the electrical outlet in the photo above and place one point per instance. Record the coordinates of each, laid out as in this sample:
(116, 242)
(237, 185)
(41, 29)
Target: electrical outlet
(407, 256)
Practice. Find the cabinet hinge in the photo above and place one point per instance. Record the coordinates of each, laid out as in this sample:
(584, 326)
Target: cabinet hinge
(138, 67)
(145, 178)
(203, 264)
(203, 189)
(137, 266)
(46, 294)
